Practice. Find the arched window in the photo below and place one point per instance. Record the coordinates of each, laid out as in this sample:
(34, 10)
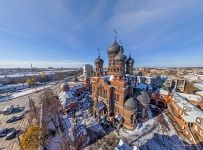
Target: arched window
(132, 118)
(117, 97)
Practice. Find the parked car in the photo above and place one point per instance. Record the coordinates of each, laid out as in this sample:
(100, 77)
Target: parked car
(3, 132)
(15, 118)
(19, 117)
(12, 119)
(11, 134)
(19, 108)
(8, 110)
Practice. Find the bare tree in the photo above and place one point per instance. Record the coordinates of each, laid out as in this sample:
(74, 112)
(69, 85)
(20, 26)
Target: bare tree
(33, 115)
(50, 107)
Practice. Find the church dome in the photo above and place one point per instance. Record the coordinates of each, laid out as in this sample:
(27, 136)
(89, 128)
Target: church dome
(120, 56)
(130, 60)
(98, 60)
(142, 97)
(114, 48)
(130, 104)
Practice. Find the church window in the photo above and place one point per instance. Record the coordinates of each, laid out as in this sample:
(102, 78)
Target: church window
(132, 119)
(116, 97)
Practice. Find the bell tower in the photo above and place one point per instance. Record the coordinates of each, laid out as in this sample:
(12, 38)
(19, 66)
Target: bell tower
(120, 61)
(113, 51)
(99, 65)
(129, 65)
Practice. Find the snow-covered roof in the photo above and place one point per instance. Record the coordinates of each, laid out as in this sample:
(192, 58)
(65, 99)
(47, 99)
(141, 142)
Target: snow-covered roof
(199, 85)
(188, 118)
(75, 129)
(66, 97)
(111, 78)
(192, 112)
(191, 97)
(164, 92)
(124, 146)
(199, 93)
(107, 78)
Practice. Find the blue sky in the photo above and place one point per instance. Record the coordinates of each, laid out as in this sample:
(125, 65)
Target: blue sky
(67, 33)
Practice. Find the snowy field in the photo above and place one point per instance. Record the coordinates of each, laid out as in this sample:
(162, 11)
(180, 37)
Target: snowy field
(23, 93)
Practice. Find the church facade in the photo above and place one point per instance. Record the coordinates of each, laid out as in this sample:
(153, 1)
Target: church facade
(115, 97)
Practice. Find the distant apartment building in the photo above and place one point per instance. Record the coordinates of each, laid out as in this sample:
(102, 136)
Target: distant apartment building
(198, 71)
(87, 70)
(188, 117)
(193, 77)
(180, 84)
(168, 83)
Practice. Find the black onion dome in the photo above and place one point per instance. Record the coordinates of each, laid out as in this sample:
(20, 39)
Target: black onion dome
(130, 61)
(120, 56)
(98, 60)
(121, 48)
(130, 104)
(114, 48)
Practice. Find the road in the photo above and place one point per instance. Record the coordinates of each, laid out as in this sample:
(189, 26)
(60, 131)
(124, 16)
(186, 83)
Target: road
(22, 101)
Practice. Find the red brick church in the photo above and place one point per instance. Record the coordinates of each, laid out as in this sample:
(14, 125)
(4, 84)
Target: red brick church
(114, 95)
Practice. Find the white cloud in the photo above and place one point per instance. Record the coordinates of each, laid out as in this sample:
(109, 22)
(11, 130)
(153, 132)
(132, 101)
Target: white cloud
(147, 24)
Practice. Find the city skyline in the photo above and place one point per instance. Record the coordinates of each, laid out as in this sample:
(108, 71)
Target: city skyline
(61, 33)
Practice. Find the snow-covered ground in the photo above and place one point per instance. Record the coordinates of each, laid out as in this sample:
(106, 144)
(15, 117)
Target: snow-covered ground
(59, 141)
(18, 86)
(157, 133)
(24, 92)
(62, 139)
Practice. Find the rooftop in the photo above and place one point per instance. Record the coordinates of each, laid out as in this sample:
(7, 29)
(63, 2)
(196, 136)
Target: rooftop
(66, 97)
(191, 97)
(199, 93)
(192, 112)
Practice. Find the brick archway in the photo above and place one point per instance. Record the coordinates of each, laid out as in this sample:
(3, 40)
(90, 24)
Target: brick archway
(153, 101)
(161, 104)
